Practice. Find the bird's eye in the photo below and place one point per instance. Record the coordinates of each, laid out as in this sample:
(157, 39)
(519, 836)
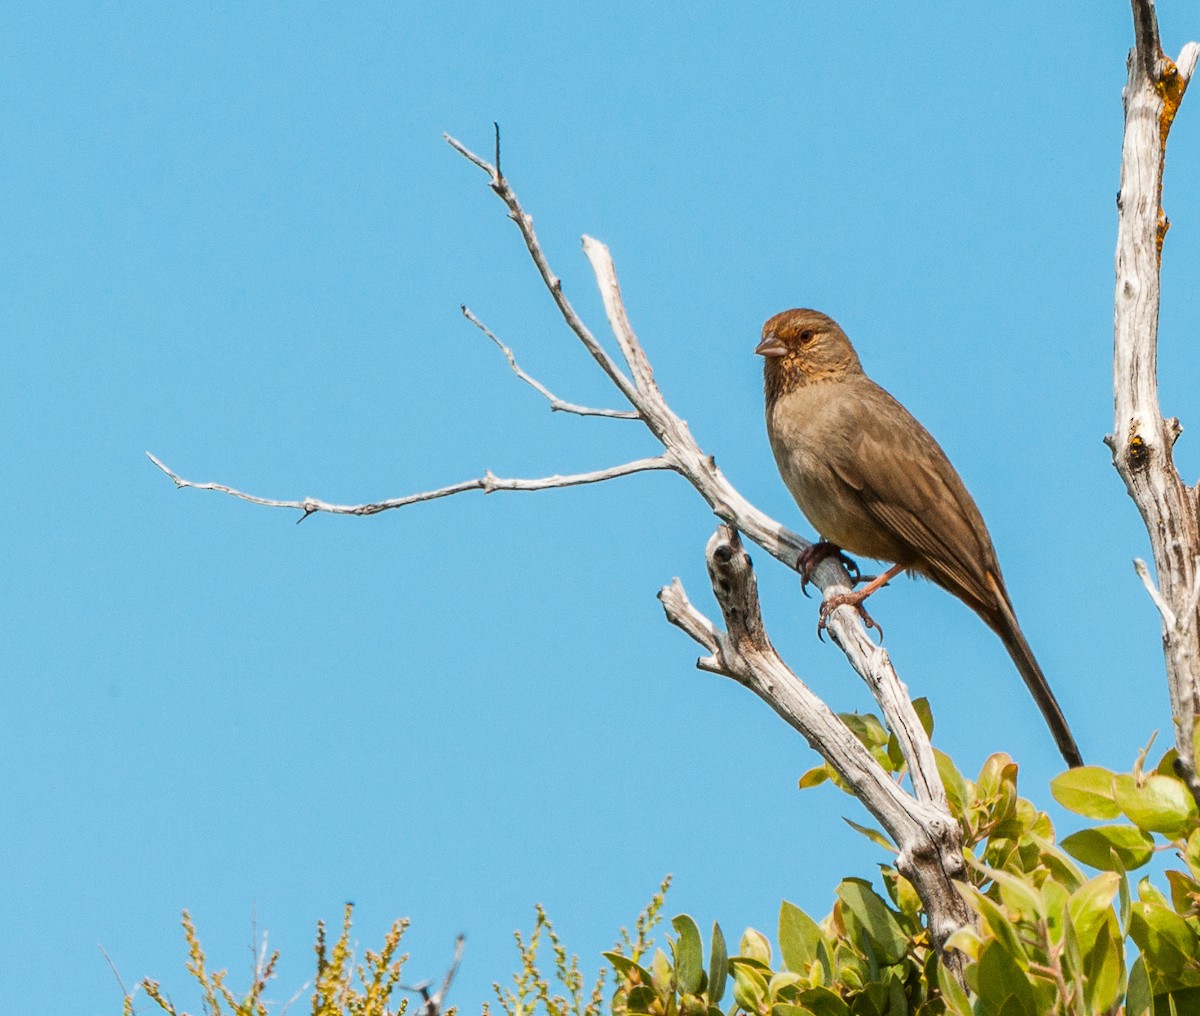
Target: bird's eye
(806, 336)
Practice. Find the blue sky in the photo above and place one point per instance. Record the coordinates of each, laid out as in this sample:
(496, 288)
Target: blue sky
(235, 237)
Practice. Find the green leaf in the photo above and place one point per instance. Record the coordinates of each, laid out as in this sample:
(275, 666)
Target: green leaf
(1138, 1000)
(755, 946)
(1090, 906)
(1092, 846)
(903, 895)
(660, 970)
(871, 1002)
(689, 955)
(1003, 985)
(814, 777)
(642, 998)
(626, 967)
(874, 835)
(1018, 894)
(749, 961)
(952, 780)
(823, 1002)
(1148, 892)
(718, 966)
(1087, 791)
(1191, 854)
(1061, 867)
(897, 1004)
(924, 714)
(1123, 898)
(894, 755)
(965, 940)
(1000, 926)
(955, 997)
(1054, 904)
(749, 989)
(991, 774)
(877, 919)
(1166, 764)
(784, 985)
(1181, 1001)
(1162, 804)
(1184, 892)
(1072, 952)
(866, 728)
(1166, 940)
(798, 937)
(1105, 969)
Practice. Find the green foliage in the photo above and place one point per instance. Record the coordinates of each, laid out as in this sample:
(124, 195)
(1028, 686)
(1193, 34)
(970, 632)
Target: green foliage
(1049, 939)
(340, 988)
(533, 991)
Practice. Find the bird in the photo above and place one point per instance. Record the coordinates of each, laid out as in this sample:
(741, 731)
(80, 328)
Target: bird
(873, 482)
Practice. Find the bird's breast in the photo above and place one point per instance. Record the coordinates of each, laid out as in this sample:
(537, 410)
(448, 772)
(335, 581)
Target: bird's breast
(812, 434)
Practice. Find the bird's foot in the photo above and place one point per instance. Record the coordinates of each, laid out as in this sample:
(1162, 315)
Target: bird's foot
(855, 600)
(818, 552)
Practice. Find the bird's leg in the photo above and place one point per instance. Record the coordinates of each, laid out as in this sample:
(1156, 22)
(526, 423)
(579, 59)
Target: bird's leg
(817, 552)
(855, 600)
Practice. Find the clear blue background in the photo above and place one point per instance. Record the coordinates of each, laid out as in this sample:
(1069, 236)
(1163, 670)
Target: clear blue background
(235, 237)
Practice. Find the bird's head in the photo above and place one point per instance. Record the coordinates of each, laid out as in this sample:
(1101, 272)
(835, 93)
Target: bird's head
(801, 346)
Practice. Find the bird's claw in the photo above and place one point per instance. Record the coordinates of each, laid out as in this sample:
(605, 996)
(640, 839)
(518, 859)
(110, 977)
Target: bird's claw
(831, 603)
(817, 552)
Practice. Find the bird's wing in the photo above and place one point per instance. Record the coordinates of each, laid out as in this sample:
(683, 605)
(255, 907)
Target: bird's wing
(905, 481)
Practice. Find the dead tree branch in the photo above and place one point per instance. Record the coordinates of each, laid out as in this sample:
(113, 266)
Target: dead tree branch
(1142, 441)
(556, 404)
(930, 847)
(489, 483)
(433, 1003)
(924, 829)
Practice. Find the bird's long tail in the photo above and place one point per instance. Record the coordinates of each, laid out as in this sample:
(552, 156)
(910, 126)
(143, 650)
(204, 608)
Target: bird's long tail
(1004, 622)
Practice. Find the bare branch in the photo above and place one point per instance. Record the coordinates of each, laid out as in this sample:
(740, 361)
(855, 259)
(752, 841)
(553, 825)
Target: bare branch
(556, 404)
(922, 824)
(929, 839)
(113, 967)
(524, 223)
(869, 660)
(614, 307)
(693, 623)
(1142, 441)
(1164, 608)
(489, 483)
(433, 1004)
(1185, 63)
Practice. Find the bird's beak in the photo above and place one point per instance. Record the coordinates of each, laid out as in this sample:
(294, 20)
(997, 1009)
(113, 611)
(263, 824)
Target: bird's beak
(770, 346)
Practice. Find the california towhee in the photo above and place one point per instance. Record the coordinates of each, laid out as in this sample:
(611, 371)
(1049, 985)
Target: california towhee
(874, 482)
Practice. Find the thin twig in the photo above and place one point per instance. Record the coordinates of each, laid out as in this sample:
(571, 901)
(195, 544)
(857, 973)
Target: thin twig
(1164, 608)
(922, 824)
(113, 967)
(489, 483)
(433, 1003)
(524, 223)
(556, 404)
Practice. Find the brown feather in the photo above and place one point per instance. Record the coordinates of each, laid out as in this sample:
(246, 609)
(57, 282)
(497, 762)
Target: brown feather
(874, 482)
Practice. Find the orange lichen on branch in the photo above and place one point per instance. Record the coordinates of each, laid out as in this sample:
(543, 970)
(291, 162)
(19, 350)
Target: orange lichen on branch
(1170, 85)
(1163, 222)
